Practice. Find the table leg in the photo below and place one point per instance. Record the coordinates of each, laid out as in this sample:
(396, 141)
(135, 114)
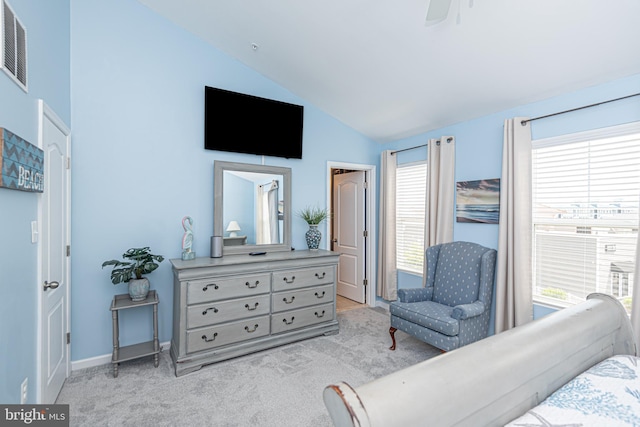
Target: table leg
(116, 342)
(156, 344)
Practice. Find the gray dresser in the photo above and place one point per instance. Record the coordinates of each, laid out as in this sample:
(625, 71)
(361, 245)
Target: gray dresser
(239, 304)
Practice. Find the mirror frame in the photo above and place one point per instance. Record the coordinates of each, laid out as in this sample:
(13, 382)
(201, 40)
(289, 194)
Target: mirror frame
(219, 167)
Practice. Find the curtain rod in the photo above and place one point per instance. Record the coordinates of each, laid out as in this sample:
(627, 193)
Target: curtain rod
(524, 122)
(407, 149)
(417, 146)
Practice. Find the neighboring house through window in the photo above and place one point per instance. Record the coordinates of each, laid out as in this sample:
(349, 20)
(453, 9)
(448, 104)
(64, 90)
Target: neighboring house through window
(586, 196)
(411, 182)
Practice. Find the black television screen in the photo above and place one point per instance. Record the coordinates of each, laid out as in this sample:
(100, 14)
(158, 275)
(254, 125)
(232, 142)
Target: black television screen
(248, 124)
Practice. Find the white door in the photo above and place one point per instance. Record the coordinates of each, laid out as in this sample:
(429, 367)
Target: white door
(55, 238)
(349, 233)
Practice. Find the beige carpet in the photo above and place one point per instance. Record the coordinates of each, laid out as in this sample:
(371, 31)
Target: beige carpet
(279, 387)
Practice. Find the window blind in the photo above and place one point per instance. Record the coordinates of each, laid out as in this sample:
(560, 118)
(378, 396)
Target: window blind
(14, 46)
(586, 196)
(411, 181)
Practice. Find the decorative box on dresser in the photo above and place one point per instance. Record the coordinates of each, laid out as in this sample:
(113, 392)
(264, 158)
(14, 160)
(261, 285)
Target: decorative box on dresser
(239, 304)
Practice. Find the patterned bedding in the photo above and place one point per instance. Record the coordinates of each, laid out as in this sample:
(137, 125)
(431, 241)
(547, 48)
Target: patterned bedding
(608, 394)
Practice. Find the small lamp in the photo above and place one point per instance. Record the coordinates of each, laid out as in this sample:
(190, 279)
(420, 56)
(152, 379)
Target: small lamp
(233, 228)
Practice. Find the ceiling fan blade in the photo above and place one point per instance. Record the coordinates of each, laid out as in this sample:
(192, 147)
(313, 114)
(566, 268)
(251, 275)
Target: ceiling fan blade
(437, 11)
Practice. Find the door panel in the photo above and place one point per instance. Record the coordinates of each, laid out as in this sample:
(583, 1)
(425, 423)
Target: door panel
(55, 346)
(348, 233)
(54, 349)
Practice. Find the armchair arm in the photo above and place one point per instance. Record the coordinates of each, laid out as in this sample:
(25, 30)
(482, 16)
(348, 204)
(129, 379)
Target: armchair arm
(466, 311)
(415, 294)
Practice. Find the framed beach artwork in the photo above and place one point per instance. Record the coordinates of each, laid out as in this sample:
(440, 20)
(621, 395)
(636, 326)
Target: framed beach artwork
(478, 201)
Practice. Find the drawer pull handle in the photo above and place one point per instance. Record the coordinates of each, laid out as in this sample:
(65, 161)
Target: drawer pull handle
(321, 277)
(204, 337)
(211, 284)
(250, 286)
(319, 315)
(289, 281)
(249, 308)
(246, 328)
(290, 322)
(288, 302)
(215, 310)
(320, 295)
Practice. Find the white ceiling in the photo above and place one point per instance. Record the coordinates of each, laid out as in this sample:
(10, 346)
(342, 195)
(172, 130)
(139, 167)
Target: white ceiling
(376, 66)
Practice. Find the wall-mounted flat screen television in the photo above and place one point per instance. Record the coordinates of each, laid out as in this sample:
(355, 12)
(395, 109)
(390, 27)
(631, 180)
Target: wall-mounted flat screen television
(249, 124)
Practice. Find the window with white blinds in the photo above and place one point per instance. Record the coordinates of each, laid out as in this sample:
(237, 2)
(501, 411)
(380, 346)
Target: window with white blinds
(586, 195)
(411, 184)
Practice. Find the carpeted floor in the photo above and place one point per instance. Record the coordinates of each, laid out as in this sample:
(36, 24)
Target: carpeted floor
(280, 387)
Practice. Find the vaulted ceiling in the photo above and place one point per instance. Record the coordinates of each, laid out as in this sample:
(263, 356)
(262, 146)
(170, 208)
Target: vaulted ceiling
(376, 66)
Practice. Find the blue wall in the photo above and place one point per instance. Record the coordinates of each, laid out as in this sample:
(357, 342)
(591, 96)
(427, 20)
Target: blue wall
(139, 166)
(47, 25)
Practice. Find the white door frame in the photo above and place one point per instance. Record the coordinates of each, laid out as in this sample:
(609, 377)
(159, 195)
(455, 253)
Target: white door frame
(370, 221)
(45, 111)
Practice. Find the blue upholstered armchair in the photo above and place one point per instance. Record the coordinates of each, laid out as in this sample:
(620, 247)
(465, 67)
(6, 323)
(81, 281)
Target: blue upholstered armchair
(453, 308)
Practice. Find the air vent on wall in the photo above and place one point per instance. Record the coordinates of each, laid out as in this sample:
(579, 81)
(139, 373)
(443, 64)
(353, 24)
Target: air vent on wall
(14, 46)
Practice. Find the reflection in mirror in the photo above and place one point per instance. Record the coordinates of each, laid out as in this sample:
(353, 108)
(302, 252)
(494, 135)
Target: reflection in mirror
(252, 207)
(251, 210)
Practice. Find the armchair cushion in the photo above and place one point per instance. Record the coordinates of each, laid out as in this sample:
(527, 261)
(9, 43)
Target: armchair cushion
(428, 314)
(458, 273)
(466, 311)
(415, 294)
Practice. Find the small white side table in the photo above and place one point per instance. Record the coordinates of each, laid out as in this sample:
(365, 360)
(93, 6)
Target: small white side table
(135, 351)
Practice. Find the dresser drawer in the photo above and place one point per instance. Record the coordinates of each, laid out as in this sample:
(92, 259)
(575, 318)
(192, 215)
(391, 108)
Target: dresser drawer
(227, 333)
(215, 289)
(299, 278)
(302, 298)
(224, 311)
(289, 320)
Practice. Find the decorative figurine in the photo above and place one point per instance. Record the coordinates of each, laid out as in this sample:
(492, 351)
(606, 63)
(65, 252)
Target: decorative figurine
(187, 239)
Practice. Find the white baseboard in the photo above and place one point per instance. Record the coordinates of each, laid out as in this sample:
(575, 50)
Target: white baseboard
(382, 304)
(104, 359)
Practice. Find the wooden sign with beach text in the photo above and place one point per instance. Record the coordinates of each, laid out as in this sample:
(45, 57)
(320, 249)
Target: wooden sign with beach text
(21, 163)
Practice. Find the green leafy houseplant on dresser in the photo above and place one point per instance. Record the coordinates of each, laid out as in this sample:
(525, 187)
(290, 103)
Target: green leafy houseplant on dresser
(138, 261)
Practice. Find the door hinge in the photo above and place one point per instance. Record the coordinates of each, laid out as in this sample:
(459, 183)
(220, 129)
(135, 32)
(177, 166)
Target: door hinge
(68, 337)
(365, 233)
(68, 250)
(68, 162)
(365, 184)
(365, 282)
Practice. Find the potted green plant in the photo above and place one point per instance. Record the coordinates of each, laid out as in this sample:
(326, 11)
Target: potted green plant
(313, 216)
(140, 261)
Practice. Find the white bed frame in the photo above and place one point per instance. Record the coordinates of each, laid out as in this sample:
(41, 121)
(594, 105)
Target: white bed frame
(492, 381)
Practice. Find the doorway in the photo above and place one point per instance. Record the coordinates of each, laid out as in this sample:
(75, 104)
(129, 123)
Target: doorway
(351, 200)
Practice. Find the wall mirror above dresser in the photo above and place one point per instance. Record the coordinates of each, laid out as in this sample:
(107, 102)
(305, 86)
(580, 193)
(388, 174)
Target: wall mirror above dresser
(252, 207)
